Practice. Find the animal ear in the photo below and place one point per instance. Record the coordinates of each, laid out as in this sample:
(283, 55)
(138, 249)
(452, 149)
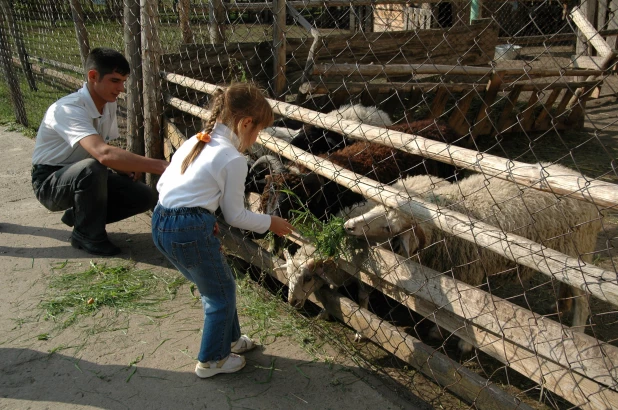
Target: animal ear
(324, 269)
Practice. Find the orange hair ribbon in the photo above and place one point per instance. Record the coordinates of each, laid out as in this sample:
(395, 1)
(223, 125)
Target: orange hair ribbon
(203, 136)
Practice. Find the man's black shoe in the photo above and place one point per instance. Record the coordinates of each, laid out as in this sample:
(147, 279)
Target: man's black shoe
(68, 218)
(103, 248)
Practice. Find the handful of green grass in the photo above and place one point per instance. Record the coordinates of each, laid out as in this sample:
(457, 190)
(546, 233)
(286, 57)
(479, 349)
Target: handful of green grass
(329, 238)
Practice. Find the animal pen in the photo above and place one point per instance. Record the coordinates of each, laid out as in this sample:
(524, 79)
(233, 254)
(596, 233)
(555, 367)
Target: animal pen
(518, 85)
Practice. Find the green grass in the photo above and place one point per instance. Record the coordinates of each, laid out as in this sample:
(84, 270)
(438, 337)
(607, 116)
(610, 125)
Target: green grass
(122, 288)
(36, 103)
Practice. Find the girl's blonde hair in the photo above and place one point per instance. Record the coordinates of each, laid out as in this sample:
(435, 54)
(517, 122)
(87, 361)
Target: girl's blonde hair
(231, 105)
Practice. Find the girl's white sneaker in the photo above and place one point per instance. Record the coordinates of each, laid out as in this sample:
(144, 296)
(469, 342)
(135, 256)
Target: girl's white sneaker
(230, 364)
(243, 344)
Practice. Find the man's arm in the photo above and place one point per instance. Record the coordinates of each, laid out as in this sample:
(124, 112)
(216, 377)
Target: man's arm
(120, 159)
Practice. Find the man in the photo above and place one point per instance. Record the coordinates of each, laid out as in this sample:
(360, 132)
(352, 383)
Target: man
(72, 162)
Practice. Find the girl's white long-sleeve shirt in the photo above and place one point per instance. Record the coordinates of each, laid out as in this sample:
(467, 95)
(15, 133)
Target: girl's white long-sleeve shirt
(215, 179)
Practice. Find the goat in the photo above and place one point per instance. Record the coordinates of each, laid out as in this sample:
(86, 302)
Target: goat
(565, 224)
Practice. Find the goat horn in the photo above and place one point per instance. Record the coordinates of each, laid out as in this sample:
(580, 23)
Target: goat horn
(275, 165)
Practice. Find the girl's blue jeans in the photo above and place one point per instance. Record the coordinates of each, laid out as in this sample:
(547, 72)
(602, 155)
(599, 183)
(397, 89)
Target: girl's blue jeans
(186, 237)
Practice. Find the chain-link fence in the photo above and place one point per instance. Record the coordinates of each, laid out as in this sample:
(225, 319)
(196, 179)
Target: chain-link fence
(449, 166)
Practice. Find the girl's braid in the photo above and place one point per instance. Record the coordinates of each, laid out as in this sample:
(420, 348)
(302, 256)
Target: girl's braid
(217, 107)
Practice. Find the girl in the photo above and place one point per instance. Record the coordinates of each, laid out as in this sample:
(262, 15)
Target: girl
(206, 173)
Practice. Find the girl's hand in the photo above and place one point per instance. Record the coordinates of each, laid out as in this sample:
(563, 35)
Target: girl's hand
(216, 230)
(280, 226)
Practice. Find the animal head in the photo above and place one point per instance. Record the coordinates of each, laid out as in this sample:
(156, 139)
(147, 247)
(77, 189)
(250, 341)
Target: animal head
(381, 224)
(305, 276)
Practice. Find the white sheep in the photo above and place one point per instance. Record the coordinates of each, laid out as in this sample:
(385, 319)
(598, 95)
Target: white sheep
(564, 224)
(307, 272)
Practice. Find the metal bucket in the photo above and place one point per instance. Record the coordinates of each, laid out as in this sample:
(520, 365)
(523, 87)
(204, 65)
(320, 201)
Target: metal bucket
(506, 52)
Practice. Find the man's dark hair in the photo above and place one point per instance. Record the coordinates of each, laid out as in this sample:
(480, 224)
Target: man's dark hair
(106, 61)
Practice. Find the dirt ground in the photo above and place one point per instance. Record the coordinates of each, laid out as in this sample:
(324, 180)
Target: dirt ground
(140, 362)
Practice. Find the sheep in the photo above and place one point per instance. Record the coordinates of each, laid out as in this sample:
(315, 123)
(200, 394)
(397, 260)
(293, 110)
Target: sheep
(567, 225)
(383, 164)
(307, 272)
(318, 141)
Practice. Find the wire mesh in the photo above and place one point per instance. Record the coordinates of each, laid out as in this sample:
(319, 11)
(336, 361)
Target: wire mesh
(486, 128)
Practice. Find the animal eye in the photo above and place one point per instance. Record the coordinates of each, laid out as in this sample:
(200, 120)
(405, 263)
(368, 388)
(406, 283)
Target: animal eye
(307, 279)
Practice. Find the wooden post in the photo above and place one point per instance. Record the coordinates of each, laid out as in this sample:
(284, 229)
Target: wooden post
(588, 9)
(184, 19)
(80, 30)
(216, 13)
(7, 64)
(134, 86)
(7, 9)
(153, 101)
(279, 47)
(612, 23)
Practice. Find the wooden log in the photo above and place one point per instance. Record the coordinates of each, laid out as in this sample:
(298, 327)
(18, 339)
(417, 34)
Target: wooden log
(541, 122)
(612, 25)
(6, 60)
(173, 138)
(527, 115)
(58, 64)
(153, 104)
(326, 87)
(383, 88)
(604, 194)
(483, 124)
(414, 286)
(80, 30)
(444, 371)
(279, 48)
(216, 27)
(414, 69)
(65, 79)
(458, 121)
(539, 40)
(506, 121)
(7, 9)
(579, 17)
(134, 84)
(586, 10)
(315, 46)
(435, 365)
(184, 20)
(439, 102)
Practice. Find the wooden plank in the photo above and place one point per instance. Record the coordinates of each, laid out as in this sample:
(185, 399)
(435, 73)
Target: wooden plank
(413, 69)
(399, 279)
(153, 105)
(173, 138)
(482, 124)
(439, 102)
(279, 47)
(506, 120)
(527, 117)
(438, 367)
(184, 20)
(458, 121)
(17, 99)
(80, 30)
(578, 14)
(613, 23)
(541, 122)
(216, 17)
(383, 88)
(602, 193)
(7, 9)
(587, 62)
(134, 83)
